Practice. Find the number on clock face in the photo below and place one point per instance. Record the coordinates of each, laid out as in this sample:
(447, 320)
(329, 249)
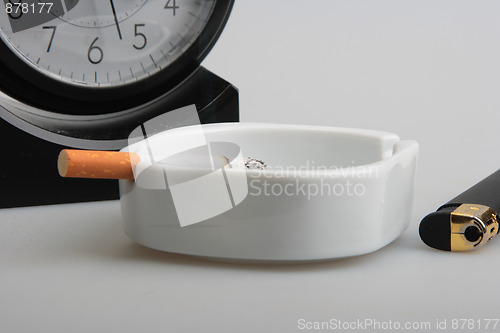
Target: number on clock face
(104, 42)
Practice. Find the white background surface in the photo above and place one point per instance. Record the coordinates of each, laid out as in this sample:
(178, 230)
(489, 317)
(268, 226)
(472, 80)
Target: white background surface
(427, 70)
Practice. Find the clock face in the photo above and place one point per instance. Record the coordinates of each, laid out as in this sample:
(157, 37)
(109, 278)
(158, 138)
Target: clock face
(102, 43)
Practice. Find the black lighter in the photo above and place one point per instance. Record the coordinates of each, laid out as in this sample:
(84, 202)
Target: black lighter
(466, 222)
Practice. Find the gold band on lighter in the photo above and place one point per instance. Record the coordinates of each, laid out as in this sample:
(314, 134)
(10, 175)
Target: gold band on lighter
(472, 226)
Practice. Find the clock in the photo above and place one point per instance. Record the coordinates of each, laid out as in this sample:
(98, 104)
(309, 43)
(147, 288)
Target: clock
(85, 73)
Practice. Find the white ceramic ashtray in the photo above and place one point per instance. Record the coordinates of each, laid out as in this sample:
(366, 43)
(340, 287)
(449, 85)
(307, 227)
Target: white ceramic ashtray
(324, 192)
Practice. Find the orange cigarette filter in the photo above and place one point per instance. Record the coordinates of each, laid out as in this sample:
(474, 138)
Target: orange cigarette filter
(97, 164)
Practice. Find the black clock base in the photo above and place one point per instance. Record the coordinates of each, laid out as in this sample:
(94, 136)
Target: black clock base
(28, 167)
(29, 174)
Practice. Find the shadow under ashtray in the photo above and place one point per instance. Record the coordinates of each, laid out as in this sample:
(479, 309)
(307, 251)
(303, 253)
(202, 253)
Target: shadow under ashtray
(141, 253)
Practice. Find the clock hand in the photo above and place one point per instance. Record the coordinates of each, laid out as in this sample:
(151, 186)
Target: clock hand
(116, 19)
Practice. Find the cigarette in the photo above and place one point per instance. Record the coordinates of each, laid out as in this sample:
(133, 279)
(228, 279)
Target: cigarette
(97, 164)
(120, 165)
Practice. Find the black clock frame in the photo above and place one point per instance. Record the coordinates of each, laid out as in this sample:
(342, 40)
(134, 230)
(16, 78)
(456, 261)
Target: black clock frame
(24, 83)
